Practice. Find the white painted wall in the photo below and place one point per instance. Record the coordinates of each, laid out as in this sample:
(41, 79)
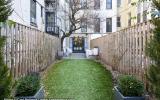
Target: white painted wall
(21, 13)
(61, 14)
(103, 14)
(146, 5)
(107, 13)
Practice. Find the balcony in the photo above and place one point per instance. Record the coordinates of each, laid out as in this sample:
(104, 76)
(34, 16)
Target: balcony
(52, 29)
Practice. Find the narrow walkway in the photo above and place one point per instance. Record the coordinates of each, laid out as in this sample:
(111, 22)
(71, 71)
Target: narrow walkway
(79, 80)
(76, 56)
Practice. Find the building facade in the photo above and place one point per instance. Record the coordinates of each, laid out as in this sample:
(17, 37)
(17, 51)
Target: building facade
(48, 16)
(55, 23)
(131, 12)
(44, 15)
(29, 12)
(105, 23)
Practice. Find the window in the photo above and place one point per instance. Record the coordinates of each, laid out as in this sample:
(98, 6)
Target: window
(109, 4)
(33, 12)
(84, 25)
(145, 15)
(118, 3)
(109, 25)
(83, 4)
(42, 11)
(86, 42)
(97, 25)
(50, 22)
(96, 4)
(138, 18)
(118, 21)
(129, 19)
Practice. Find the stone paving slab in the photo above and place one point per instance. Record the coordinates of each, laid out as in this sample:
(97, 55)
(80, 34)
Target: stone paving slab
(76, 56)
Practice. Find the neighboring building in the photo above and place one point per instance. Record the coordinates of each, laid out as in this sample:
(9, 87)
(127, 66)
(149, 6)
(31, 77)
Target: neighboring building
(29, 13)
(55, 23)
(48, 16)
(144, 11)
(51, 17)
(131, 12)
(104, 24)
(125, 13)
(44, 15)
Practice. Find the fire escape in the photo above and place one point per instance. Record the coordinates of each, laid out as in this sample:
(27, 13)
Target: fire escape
(51, 17)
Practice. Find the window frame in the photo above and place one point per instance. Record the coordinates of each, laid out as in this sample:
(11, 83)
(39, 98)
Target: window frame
(110, 3)
(118, 21)
(110, 27)
(50, 24)
(33, 14)
(97, 25)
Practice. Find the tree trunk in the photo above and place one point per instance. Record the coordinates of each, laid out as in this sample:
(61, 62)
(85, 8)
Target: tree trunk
(62, 39)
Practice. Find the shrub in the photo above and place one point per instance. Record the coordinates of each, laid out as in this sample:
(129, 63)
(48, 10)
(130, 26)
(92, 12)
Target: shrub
(153, 51)
(130, 86)
(6, 10)
(28, 85)
(5, 75)
(153, 76)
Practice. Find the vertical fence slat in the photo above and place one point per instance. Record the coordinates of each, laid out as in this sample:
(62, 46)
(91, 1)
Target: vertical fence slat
(130, 41)
(27, 49)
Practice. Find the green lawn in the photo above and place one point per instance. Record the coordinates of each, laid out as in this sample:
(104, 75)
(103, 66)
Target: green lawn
(78, 79)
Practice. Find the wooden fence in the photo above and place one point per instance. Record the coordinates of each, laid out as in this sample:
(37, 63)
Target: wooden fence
(124, 50)
(28, 49)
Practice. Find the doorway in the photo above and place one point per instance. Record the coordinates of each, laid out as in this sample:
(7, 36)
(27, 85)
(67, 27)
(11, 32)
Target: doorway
(78, 45)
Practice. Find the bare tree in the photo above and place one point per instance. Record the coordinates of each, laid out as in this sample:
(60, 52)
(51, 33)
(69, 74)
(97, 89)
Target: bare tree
(78, 11)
